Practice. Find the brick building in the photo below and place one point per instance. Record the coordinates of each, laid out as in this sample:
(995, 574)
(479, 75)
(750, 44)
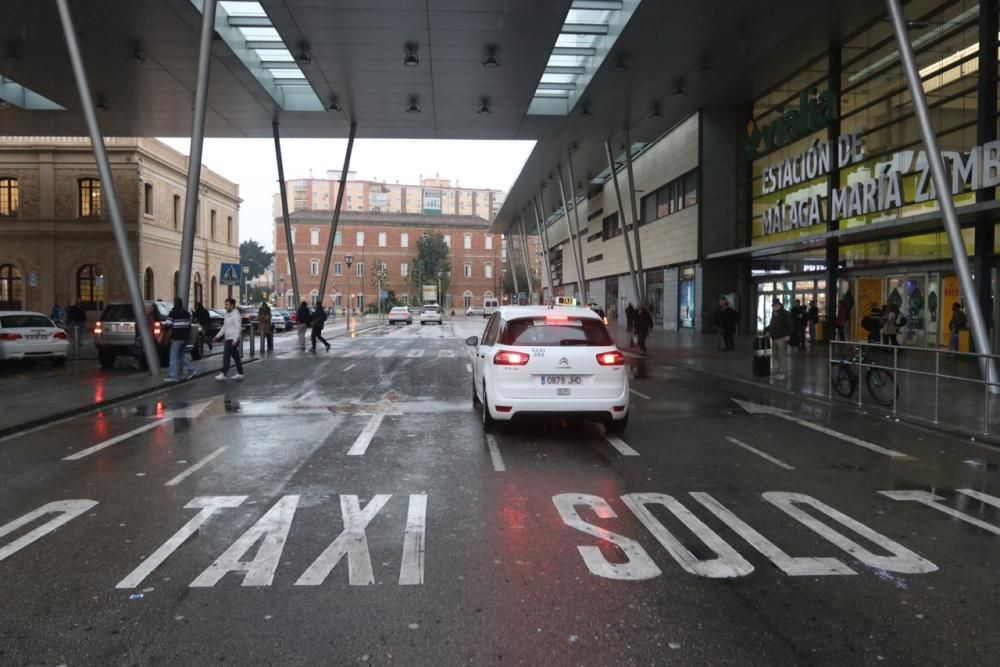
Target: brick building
(56, 241)
(389, 239)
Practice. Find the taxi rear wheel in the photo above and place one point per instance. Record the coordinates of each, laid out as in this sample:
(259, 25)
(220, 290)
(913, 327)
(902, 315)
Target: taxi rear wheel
(489, 424)
(618, 426)
(475, 398)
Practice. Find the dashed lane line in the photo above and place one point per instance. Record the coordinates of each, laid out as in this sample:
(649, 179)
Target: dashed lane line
(349, 367)
(468, 368)
(364, 438)
(777, 462)
(196, 467)
(83, 453)
(623, 447)
(498, 465)
(640, 394)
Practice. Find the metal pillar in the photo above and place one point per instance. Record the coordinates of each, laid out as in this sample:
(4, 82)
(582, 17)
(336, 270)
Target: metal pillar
(525, 255)
(635, 218)
(336, 211)
(543, 238)
(513, 267)
(942, 188)
(986, 131)
(569, 228)
(621, 219)
(576, 217)
(284, 214)
(834, 65)
(194, 158)
(109, 193)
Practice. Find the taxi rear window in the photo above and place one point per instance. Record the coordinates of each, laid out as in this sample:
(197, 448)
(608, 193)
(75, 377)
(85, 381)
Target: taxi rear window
(556, 332)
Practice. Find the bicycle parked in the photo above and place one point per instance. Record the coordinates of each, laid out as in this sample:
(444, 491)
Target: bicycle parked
(879, 381)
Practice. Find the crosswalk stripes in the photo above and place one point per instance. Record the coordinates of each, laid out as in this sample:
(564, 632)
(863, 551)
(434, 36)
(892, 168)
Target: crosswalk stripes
(415, 352)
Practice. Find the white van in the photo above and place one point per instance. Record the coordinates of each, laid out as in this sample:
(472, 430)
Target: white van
(489, 307)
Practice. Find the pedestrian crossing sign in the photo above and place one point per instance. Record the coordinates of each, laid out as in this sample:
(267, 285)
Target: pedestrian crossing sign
(231, 274)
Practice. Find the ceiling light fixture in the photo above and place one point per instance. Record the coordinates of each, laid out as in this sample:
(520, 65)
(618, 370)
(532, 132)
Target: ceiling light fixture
(621, 63)
(485, 108)
(413, 106)
(585, 110)
(137, 57)
(655, 112)
(102, 104)
(679, 89)
(490, 58)
(334, 104)
(304, 55)
(410, 59)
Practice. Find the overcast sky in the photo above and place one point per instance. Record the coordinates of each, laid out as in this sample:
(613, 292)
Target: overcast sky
(250, 163)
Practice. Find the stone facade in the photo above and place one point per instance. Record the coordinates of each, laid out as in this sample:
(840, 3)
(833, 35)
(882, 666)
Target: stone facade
(52, 247)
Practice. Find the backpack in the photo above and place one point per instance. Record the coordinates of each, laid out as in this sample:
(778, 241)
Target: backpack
(901, 321)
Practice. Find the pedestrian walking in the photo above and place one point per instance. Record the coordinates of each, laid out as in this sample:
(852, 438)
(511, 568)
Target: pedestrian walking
(957, 324)
(77, 317)
(232, 328)
(726, 320)
(630, 319)
(266, 330)
(780, 328)
(318, 319)
(57, 314)
(812, 319)
(798, 314)
(204, 320)
(303, 316)
(179, 327)
(643, 324)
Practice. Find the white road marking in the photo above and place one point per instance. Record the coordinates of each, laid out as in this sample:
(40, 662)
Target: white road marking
(416, 352)
(349, 367)
(468, 368)
(727, 564)
(902, 559)
(934, 501)
(384, 352)
(623, 447)
(446, 354)
(757, 408)
(640, 394)
(498, 465)
(67, 511)
(271, 530)
(196, 467)
(792, 566)
(357, 352)
(364, 438)
(352, 541)
(777, 462)
(411, 568)
(208, 505)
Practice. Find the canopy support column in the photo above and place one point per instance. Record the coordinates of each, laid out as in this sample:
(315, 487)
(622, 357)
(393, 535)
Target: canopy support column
(283, 189)
(569, 228)
(621, 220)
(336, 212)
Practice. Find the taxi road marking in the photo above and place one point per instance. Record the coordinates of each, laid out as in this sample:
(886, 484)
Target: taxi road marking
(777, 462)
(67, 510)
(498, 465)
(196, 467)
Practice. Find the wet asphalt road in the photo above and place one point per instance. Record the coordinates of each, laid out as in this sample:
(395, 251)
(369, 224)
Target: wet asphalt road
(346, 508)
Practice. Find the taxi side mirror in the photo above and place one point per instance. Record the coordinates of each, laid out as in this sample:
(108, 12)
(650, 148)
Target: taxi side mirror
(472, 341)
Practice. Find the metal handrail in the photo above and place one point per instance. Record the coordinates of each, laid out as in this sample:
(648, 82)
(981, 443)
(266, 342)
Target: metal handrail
(862, 363)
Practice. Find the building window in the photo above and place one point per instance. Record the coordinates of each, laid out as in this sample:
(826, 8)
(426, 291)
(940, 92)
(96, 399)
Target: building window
(467, 270)
(8, 196)
(10, 287)
(338, 269)
(489, 242)
(90, 197)
(675, 196)
(610, 227)
(467, 299)
(384, 269)
(211, 225)
(447, 240)
(404, 270)
(229, 229)
(90, 286)
(177, 211)
(359, 238)
(383, 239)
(488, 269)
(467, 241)
(404, 299)
(361, 268)
(149, 284)
(147, 198)
(313, 297)
(595, 258)
(293, 236)
(199, 289)
(313, 267)
(314, 236)
(360, 302)
(404, 240)
(338, 238)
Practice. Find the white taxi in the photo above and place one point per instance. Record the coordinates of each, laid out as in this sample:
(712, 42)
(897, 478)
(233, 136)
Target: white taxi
(27, 335)
(536, 360)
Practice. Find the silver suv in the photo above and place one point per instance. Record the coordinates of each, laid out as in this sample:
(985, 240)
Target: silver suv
(115, 335)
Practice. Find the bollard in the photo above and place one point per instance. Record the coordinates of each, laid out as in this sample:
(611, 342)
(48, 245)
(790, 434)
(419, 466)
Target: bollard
(252, 353)
(895, 379)
(937, 381)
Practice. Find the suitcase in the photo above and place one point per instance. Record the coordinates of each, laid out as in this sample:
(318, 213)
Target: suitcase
(762, 356)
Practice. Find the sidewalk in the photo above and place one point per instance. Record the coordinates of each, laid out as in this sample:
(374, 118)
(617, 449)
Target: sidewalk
(962, 407)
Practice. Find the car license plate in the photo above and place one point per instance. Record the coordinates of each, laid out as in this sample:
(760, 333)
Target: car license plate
(562, 391)
(35, 337)
(561, 379)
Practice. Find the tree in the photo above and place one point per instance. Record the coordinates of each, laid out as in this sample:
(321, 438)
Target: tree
(255, 258)
(432, 265)
(522, 280)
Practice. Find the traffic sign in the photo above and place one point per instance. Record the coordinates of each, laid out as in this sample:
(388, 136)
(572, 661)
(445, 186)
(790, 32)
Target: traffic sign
(231, 274)
(33, 279)
(383, 295)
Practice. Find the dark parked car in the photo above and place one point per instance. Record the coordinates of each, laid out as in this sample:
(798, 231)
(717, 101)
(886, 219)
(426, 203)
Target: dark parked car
(216, 317)
(114, 333)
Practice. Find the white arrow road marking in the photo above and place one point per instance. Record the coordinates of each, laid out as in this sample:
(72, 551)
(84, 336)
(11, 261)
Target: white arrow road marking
(777, 462)
(384, 407)
(208, 505)
(411, 569)
(187, 413)
(446, 354)
(758, 409)
(640, 394)
(67, 510)
(416, 352)
(196, 467)
(934, 501)
(498, 465)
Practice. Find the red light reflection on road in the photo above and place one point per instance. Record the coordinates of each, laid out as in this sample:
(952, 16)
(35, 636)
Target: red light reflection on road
(99, 391)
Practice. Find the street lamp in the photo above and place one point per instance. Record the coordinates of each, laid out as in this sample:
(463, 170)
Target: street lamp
(379, 278)
(349, 259)
(284, 297)
(246, 271)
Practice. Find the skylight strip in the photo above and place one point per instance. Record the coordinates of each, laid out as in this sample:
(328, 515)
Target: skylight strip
(597, 4)
(14, 93)
(584, 29)
(573, 51)
(264, 44)
(249, 22)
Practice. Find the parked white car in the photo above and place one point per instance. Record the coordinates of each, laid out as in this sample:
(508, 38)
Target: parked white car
(28, 335)
(533, 360)
(430, 315)
(400, 314)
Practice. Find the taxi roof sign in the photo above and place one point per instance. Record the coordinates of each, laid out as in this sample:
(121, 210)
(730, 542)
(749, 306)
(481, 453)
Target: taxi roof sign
(565, 301)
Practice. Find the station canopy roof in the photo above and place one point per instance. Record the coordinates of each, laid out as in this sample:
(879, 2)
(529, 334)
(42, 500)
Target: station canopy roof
(560, 72)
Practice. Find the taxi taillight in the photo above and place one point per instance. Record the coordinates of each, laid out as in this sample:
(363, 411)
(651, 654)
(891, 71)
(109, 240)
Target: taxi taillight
(611, 358)
(61, 335)
(157, 329)
(508, 358)
(98, 329)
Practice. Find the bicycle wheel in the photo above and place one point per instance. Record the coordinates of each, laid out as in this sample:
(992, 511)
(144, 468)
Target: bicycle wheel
(881, 386)
(844, 381)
